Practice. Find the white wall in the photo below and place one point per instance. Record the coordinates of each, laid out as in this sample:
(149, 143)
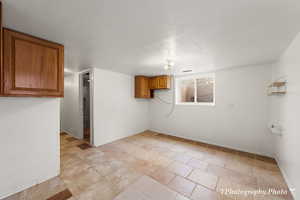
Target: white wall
(117, 113)
(286, 111)
(238, 120)
(29, 145)
(71, 120)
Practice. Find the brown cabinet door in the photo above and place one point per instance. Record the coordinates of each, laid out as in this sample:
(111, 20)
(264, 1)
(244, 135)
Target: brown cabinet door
(165, 82)
(1, 69)
(32, 66)
(160, 82)
(153, 83)
(142, 89)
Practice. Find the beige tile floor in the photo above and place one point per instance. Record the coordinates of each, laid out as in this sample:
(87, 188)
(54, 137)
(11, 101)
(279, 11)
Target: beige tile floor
(177, 168)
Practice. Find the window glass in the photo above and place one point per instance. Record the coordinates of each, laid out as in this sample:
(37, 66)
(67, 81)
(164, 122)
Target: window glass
(187, 91)
(205, 90)
(196, 90)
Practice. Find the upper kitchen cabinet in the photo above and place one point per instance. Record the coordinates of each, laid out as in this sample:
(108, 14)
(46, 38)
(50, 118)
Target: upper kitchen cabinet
(1, 55)
(31, 66)
(145, 86)
(160, 82)
(142, 89)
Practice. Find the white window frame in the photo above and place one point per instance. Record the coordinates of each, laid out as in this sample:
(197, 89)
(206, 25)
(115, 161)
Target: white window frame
(194, 77)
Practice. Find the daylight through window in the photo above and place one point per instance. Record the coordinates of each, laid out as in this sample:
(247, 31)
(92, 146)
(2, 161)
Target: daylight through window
(196, 90)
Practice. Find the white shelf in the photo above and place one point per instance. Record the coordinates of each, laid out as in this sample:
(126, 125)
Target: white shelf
(277, 88)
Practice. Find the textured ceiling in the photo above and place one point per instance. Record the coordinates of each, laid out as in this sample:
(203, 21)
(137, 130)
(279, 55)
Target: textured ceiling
(137, 36)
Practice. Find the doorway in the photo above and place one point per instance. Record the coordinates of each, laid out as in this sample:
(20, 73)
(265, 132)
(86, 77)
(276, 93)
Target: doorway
(86, 105)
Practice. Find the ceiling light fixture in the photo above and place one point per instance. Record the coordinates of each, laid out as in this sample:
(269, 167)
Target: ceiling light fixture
(169, 64)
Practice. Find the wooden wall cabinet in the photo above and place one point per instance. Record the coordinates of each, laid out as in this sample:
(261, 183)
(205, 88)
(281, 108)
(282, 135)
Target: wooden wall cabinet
(153, 83)
(160, 82)
(145, 86)
(31, 66)
(1, 48)
(142, 89)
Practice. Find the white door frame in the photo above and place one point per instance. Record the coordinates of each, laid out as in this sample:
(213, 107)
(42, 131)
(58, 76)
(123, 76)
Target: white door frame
(91, 72)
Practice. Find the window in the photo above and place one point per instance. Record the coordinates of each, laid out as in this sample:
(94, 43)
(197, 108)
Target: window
(196, 90)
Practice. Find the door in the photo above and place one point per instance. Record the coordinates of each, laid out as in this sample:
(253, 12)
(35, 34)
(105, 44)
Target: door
(153, 83)
(32, 66)
(86, 93)
(142, 89)
(86, 106)
(161, 82)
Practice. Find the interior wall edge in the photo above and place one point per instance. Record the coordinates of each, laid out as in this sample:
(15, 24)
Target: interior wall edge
(24, 187)
(285, 176)
(70, 133)
(267, 63)
(119, 138)
(116, 114)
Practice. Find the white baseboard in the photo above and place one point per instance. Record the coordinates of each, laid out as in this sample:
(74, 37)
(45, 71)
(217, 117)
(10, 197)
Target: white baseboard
(213, 143)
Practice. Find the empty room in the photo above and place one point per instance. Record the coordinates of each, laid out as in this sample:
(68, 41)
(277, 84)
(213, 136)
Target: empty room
(149, 100)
